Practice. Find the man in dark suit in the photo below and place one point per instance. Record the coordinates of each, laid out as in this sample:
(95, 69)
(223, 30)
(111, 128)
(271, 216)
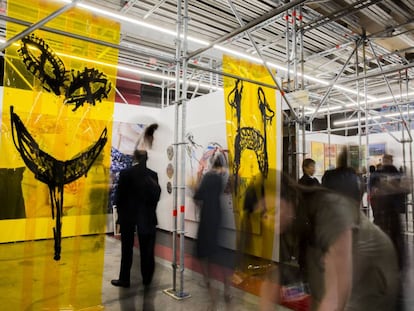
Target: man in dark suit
(308, 168)
(136, 199)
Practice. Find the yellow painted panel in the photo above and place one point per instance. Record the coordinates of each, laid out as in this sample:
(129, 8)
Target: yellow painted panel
(33, 280)
(251, 138)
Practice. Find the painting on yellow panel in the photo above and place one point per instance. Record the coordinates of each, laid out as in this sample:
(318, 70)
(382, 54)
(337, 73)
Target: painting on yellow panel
(251, 138)
(62, 94)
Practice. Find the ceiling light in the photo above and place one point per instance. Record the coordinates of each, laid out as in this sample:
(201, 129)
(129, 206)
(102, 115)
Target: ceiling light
(325, 109)
(239, 54)
(122, 17)
(117, 16)
(387, 98)
(387, 115)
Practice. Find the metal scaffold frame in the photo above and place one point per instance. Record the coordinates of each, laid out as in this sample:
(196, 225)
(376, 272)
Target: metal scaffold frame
(295, 30)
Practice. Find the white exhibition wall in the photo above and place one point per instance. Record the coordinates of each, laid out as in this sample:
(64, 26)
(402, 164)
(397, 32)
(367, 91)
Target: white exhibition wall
(206, 130)
(206, 124)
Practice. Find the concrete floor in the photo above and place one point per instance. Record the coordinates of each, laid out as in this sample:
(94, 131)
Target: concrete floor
(135, 298)
(31, 280)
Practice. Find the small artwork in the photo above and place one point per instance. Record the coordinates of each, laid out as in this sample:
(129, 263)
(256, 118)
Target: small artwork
(318, 154)
(376, 149)
(170, 170)
(170, 152)
(330, 156)
(169, 187)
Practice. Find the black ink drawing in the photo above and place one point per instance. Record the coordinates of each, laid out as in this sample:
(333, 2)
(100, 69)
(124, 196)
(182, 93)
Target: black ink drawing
(191, 148)
(53, 172)
(88, 86)
(248, 137)
(267, 117)
(79, 88)
(42, 62)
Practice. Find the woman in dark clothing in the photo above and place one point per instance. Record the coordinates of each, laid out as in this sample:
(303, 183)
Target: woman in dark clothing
(208, 196)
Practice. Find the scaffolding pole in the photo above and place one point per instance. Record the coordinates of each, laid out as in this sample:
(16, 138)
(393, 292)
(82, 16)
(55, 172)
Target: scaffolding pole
(364, 58)
(181, 294)
(172, 291)
(180, 151)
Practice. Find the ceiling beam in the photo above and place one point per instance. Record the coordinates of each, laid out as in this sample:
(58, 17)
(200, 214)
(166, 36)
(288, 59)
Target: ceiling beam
(248, 26)
(92, 40)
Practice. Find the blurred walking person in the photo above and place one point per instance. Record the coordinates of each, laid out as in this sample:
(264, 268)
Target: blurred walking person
(209, 197)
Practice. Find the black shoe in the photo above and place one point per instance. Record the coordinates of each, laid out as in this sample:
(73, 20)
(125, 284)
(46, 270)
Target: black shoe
(120, 283)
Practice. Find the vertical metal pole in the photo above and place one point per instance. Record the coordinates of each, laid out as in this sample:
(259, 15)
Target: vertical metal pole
(296, 153)
(181, 293)
(360, 155)
(329, 132)
(302, 83)
(403, 143)
(288, 49)
(302, 63)
(402, 125)
(294, 49)
(411, 176)
(163, 91)
(176, 129)
(210, 62)
(300, 124)
(364, 59)
(359, 106)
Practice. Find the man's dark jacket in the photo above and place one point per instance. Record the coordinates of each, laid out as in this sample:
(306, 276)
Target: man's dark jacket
(137, 197)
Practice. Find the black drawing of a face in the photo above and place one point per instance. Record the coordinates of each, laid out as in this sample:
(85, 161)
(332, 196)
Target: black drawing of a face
(88, 86)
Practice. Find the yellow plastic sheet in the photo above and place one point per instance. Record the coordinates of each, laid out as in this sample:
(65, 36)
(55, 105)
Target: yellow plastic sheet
(251, 138)
(32, 279)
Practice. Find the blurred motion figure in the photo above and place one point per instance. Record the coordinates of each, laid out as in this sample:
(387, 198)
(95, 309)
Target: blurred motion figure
(209, 196)
(347, 261)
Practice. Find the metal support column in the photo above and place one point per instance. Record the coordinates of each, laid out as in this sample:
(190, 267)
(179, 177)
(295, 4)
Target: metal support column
(180, 152)
(364, 58)
(173, 290)
(302, 82)
(181, 294)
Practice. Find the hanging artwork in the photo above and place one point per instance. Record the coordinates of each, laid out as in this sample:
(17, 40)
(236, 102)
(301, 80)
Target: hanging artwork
(62, 115)
(51, 171)
(318, 155)
(251, 137)
(330, 156)
(88, 86)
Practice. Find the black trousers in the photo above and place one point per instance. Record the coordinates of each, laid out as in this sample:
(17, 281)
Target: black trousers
(146, 249)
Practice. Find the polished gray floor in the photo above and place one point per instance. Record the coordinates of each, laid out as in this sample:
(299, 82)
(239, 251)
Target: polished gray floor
(135, 298)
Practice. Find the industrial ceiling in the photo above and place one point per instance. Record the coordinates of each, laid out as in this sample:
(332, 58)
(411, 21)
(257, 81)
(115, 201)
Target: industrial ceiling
(317, 37)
